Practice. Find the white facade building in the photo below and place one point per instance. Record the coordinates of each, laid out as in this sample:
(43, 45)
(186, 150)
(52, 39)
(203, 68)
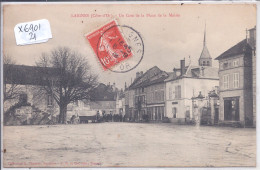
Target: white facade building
(187, 82)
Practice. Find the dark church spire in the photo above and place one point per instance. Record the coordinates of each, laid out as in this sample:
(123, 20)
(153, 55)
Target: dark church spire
(204, 42)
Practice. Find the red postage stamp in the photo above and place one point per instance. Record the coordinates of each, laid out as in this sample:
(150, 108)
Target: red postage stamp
(109, 45)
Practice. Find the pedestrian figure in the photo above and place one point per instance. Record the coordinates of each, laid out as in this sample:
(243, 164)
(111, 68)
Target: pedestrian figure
(111, 116)
(98, 116)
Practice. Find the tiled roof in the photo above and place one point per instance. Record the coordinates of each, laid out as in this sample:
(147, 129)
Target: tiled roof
(171, 76)
(152, 76)
(240, 48)
(27, 75)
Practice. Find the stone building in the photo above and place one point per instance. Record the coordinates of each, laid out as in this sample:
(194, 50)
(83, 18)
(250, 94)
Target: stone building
(148, 94)
(237, 82)
(30, 104)
(184, 84)
(104, 99)
(22, 97)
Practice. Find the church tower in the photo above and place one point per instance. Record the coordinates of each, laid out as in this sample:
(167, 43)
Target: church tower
(205, 58)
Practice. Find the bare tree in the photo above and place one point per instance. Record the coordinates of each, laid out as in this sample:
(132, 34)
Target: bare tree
(67, 77)
(11, 89)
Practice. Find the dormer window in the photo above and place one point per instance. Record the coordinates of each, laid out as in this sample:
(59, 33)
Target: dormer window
(225, 65)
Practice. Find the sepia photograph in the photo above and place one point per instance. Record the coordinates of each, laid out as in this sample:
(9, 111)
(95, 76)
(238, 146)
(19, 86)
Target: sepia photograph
(128, 85)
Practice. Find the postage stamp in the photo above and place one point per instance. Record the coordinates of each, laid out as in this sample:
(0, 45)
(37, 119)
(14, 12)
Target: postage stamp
(114, 44)
(109, 45)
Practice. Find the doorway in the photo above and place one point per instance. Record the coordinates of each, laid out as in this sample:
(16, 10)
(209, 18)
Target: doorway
(216, 116)
(231, 109)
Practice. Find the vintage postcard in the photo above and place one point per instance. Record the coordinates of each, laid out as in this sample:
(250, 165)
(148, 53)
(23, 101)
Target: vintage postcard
(128, 85)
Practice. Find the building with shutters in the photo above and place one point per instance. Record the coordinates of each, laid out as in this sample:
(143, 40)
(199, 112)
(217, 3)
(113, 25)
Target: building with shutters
(147, 96)
(187, 82)
(237, 70)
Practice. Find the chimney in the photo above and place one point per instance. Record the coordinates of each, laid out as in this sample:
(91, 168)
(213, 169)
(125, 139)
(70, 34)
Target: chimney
(141, 73)
(252, 37)
(174, 72)
(114, 86)
(247, 35)
(182, 67)
(125, 86)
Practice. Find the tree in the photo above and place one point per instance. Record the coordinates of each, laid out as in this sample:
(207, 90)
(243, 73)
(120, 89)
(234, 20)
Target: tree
(10, 88)
(67, 77)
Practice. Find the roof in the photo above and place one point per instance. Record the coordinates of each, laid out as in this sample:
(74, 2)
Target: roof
(205, 52)
(171, 76)
(152, 76)
(196, 72)
(208, 72)
(27, 75)
(103, 93)
(240, 48)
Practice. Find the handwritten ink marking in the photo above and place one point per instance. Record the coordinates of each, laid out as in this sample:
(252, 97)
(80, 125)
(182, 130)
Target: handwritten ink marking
(32, 32)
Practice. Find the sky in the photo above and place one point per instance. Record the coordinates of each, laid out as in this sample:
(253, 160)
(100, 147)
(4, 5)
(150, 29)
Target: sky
(167, 40)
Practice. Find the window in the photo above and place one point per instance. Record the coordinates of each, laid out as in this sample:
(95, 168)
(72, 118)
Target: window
(170, 92)
(236, 80)
(225, 65)
(136, 99)
(204, 63)
(174, 112)
(229, 64)
(226, 81)
(235, 63)
(76, 102)
(23, 98)
(207, 63)
(178, 92)
(49, 100)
